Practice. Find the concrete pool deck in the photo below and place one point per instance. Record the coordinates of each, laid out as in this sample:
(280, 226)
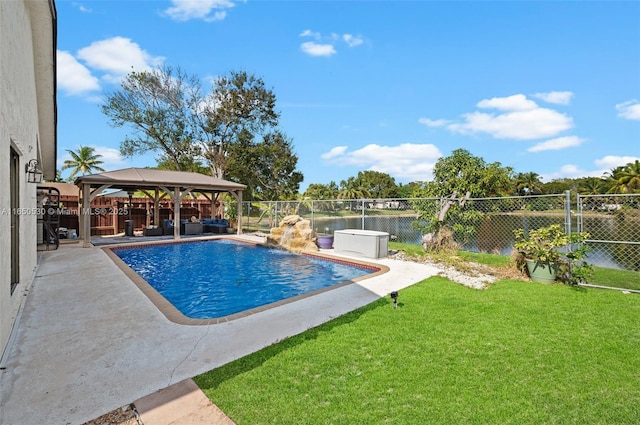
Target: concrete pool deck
(88, 341)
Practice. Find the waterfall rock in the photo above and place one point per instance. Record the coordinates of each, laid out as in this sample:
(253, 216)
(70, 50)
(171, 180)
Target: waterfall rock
(294, 234)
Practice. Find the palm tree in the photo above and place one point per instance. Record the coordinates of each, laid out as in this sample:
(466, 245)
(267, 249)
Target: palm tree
(351, 189)
(591, 186)
(84, 161)
(528, 183)
(614, 180)
(630, 178)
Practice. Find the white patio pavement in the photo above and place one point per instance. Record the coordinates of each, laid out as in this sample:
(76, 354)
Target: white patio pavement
(89, 341)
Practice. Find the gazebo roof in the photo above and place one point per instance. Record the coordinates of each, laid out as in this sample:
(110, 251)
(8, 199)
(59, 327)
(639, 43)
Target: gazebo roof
(148, 178)
(175, 183)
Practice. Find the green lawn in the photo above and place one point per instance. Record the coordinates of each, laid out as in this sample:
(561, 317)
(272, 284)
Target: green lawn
(518, 352)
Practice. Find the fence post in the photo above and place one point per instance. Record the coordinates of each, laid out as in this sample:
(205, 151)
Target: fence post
(248, 214)
(579, 212)
(312, 217)
(362, 200)
(567, 211)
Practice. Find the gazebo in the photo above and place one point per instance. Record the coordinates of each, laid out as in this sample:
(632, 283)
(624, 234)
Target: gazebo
(175, 184)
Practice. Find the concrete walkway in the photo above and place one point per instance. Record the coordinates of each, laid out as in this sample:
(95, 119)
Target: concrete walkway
(89, 341)
(180, 404)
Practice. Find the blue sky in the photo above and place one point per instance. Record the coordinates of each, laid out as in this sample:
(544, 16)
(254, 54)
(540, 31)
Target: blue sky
(391, 86)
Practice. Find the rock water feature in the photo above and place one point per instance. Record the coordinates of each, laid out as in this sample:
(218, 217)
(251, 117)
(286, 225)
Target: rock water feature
(294, 234)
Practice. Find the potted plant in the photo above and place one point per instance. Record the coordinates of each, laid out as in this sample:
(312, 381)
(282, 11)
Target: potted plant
(550, 253)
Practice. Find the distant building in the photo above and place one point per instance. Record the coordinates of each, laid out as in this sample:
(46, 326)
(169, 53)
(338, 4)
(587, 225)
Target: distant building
(27, 141)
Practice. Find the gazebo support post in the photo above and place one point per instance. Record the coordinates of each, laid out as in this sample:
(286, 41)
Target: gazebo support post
(86, 216)
(176, 213)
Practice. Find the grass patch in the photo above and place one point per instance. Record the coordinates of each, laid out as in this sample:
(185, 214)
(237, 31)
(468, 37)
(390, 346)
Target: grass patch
(627, 279)
(410, 249)
(493, 260)
(517, 353)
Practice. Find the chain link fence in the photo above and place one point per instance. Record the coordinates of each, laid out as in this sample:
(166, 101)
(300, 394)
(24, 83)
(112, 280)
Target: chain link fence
(478, 224)
(613, 222)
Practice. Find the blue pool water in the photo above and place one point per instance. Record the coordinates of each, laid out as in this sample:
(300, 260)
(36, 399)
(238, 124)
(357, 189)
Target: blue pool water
(211, 279)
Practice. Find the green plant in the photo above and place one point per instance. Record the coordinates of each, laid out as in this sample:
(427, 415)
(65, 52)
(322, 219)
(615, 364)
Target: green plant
(553, 246)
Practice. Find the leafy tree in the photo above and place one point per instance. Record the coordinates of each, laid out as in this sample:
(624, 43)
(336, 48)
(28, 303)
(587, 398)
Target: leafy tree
(84, 161)
(462, 172)
(238, 103)
(459, 174)
(158, 105)
(377, 184)
(272, 174)
(408, 190)
(558, 186)
(170, 114)
(322, 191)
(185, 164)
(351, 189)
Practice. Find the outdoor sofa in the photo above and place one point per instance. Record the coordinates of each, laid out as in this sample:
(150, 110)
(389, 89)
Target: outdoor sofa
(186, 227)
(215, 225)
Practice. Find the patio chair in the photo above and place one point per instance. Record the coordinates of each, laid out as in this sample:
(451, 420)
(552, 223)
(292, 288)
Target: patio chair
(167, 226)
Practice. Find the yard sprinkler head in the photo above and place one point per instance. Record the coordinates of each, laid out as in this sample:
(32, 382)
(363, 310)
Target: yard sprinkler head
(394, 297)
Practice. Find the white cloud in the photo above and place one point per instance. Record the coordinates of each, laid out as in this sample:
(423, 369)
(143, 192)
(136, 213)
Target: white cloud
(110, 156)
(570, 171)
(406, 161)
(517, 102)
(316, 49)
(352, 40)
(73, 78)
(117, 56)
(523, 119)
(612, 161)
(325, 45)
(206, 10)
(604, 164)
(309, 33)
(629, 110)
(82, 8)
(557, 144)
(521, 125)
(556, 97)
(433, 123)
(334, 152)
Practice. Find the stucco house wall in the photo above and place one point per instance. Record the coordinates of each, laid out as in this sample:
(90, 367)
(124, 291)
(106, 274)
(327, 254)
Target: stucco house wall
(28, 128)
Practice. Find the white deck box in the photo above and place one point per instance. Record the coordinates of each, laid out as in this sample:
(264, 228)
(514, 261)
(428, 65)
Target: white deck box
(362, 243)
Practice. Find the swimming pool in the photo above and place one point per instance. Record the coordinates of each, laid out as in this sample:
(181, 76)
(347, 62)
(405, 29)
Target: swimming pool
(222, 278)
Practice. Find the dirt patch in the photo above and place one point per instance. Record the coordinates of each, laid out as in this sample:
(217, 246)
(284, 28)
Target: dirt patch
(474, 275)
(125, 415)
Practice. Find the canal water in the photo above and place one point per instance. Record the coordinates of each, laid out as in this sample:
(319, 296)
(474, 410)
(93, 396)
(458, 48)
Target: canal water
(495, 234)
